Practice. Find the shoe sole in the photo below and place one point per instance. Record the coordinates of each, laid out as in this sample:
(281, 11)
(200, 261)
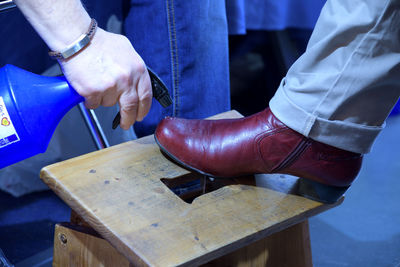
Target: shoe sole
(307, 188)
(182, 164)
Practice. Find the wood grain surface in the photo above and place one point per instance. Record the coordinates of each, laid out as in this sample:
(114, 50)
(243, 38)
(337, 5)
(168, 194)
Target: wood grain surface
(119, 192)
(81, 248)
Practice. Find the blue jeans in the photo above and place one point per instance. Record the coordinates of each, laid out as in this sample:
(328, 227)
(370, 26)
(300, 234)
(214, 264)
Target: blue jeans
(272, 15)
(186, 43)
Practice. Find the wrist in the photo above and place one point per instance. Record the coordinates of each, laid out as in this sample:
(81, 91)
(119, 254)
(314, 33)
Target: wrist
(77, 45)
(58, 23)
(61, 36)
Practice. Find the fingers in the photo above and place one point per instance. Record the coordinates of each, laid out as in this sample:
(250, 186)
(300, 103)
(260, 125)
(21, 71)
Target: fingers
(110, 98)
(92, 101)
(128, 109)
(135, 104)
(105, 93)
(145, 96)
(131, 90)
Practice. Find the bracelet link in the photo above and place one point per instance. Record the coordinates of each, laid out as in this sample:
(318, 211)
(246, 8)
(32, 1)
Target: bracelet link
(78, 45)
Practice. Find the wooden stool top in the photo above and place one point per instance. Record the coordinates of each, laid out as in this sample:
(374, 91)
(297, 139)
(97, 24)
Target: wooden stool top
(118, 191)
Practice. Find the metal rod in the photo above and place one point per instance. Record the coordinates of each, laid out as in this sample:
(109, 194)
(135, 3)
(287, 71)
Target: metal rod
(94, 127)
(6, 5)
(99, 128)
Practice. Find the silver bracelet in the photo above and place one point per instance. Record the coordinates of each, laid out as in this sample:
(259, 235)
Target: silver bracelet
(78, 45)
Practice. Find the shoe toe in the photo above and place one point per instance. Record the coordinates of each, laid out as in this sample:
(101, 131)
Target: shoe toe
(165, 135)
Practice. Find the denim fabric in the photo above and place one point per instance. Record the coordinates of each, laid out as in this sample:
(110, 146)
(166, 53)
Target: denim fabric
(271, 14)
(21, 45)
(278, 15)
(186, 43)
(236, 14)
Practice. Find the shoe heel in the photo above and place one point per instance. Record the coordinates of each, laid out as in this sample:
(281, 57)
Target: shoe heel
(320, 192)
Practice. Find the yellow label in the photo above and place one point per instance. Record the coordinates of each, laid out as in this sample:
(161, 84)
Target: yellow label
(8, 134)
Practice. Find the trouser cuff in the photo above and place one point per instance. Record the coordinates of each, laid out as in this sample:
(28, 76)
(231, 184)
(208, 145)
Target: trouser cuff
(341, 134)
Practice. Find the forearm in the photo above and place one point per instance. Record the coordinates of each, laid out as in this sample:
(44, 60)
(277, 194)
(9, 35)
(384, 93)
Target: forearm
(106, 72)
(58, 22)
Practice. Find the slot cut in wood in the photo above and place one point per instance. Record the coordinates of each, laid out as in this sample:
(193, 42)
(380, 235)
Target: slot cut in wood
(190, 186)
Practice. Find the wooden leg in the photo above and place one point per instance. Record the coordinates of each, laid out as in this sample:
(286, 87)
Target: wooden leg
(287, 248)
(80, 246)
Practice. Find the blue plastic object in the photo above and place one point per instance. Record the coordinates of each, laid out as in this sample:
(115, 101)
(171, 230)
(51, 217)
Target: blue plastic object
(396, 109)
(31, 106)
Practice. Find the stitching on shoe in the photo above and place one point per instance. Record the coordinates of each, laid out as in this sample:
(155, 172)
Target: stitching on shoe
(295, 154)
(260, 137)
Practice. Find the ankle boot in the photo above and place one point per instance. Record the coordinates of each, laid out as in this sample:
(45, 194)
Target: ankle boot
(259, 144)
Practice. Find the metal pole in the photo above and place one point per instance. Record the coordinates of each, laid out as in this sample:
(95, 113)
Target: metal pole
(95, 129)
(6, 5)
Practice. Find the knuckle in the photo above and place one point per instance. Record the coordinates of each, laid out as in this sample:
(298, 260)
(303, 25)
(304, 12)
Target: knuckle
(124, 77)
(107, 83)
(109, 102)
(129, 108)
(89, 92)
(140, 68)
(145, 96)
(130, 104)
(91, 105)
(92, 89)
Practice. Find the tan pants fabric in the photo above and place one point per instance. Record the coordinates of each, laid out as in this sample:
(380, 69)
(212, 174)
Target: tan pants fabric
(341, 90)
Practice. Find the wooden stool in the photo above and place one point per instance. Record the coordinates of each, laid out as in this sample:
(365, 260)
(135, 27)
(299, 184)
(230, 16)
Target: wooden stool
(125, 214)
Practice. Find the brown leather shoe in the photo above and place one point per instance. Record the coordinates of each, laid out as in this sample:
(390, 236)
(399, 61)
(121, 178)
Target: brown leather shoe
(259, 144)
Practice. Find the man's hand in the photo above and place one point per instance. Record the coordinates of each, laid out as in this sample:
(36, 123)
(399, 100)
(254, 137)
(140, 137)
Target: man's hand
(105, 72)
(109, 71)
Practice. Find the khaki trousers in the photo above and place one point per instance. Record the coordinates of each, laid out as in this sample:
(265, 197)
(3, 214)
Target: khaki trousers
(341, 90)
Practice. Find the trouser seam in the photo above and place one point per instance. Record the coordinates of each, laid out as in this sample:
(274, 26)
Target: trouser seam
(174, 56)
